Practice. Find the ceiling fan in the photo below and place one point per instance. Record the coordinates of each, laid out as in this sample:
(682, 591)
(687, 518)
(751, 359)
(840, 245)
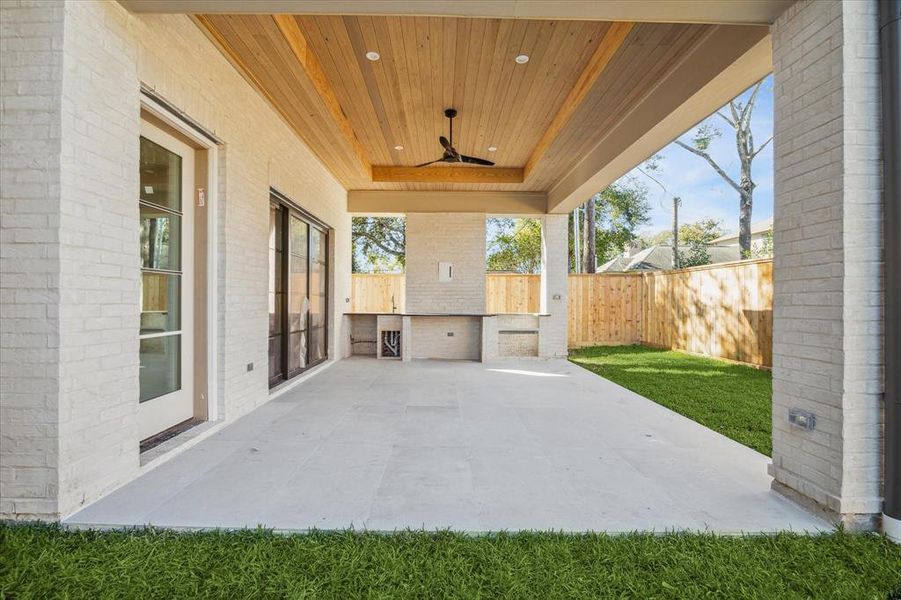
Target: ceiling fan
(450, 153)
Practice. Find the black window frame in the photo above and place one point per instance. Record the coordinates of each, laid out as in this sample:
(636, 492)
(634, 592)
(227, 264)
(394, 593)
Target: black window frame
(287, 209)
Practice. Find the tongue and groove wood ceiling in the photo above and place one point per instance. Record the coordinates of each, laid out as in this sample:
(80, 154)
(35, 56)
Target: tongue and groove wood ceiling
(542, 116)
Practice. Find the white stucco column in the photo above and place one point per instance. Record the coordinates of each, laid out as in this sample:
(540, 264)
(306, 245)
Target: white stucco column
(552, 326)
(827, 311)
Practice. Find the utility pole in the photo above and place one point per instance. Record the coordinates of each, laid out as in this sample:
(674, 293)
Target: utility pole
(676, 202)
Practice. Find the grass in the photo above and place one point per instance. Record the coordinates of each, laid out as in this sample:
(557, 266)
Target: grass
(734, 400)
(39, 561)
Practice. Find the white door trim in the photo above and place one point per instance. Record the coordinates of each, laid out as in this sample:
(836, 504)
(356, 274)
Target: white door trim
(177, 122)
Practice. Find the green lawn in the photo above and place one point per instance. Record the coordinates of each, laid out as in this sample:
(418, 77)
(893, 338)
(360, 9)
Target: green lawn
(45, 562)
(731, 399)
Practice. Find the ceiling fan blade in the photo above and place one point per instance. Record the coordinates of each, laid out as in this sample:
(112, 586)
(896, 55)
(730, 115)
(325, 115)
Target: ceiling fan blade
(431, 162)
(476, 161)
(444, 142)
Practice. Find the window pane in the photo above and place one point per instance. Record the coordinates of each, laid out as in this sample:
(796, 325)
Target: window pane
(317, 344)
(297, 351)
(160, 175)
(160, 302)
(275, 359)
(160, 239)
(318, 285)
(298, 237)
(298, 303)
(160, 366)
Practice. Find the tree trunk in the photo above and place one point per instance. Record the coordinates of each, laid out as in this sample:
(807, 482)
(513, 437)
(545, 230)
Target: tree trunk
(744, 225)
(746, 203)
(590, 241)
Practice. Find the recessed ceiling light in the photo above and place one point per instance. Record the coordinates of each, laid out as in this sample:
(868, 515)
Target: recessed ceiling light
(492, 148)
(522, 59)
(375, 55)
(398, 147)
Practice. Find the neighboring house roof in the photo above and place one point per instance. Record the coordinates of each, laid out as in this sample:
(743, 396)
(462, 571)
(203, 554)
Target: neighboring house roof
(617, 264)
(757, 227)
(657, 258)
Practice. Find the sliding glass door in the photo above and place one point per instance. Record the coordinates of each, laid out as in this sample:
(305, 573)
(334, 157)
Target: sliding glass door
(298, 291)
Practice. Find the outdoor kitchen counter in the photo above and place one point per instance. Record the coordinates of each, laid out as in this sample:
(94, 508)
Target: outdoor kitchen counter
(450, 335)
(406, 314)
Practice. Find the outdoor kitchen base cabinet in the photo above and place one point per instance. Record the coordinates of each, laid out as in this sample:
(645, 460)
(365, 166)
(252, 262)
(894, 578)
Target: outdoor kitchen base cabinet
(298, 290)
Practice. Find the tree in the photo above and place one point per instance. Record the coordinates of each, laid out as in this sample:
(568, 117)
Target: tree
(740, 122)
(380, 241)
(765, 250)
(619, 210)
(515, 245)
(703, 231)
(590, 256)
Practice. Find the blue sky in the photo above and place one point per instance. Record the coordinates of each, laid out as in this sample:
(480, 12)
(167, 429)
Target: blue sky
(704, 194)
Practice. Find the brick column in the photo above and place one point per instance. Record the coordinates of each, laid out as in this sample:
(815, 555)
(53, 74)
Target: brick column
(30, 89)
(827, 313)
(552, 328)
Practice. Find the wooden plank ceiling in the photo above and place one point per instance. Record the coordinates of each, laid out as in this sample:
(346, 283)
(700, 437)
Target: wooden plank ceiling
(542, 116)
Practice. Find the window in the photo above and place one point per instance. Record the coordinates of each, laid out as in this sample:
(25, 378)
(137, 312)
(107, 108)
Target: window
(298, 291)
(161, 214)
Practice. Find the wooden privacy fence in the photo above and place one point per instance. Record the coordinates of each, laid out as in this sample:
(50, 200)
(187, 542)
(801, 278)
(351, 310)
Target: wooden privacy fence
(373, 292)
(723, 310)
(512, 293)
(604, 309)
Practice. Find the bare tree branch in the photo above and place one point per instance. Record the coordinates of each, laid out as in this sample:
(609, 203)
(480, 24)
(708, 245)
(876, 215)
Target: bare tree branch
(727, 119)
(712, 163)
(734, 111)
(375, 241)
(756, 152)
(746, 113)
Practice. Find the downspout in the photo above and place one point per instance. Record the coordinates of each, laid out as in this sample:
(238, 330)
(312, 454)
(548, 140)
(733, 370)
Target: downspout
(890, 40)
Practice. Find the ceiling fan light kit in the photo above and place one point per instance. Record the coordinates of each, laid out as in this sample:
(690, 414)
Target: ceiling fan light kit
(450, 153)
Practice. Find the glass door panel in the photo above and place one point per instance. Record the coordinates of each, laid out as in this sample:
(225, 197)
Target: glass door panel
(160, 207)
(298, 271)
(276, 293)
(165, 380)
(318, 291)
(298, 299)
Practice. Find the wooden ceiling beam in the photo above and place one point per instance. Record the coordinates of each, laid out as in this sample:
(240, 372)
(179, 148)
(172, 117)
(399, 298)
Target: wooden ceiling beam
(398, 202)
(607, 48)
(289, 28)
(387, 174)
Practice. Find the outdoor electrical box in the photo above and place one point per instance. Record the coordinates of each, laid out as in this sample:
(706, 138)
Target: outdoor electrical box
(445, 272)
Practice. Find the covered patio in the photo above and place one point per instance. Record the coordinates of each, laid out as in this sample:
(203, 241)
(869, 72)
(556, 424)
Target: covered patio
(529, 444)
(178, 206)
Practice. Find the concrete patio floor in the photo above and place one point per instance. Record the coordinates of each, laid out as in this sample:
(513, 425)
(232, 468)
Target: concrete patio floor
(385, 445)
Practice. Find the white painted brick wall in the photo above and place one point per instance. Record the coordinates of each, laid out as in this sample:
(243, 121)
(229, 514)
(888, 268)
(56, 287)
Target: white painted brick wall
(108, 53)
(458, 238)
(31, 75)
(431, 340)
(552, 328)
(827, 269)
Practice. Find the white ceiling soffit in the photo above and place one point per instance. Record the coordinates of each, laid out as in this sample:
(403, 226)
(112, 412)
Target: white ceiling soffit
(738, 12)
